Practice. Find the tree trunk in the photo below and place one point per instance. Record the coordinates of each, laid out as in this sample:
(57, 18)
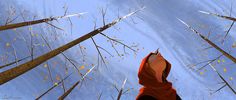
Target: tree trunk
(29, 23)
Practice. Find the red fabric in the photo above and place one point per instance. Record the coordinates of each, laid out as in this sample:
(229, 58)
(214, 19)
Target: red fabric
(153, 87)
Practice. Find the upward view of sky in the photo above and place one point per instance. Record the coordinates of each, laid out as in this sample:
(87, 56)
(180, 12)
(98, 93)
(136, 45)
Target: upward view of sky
(157, 26)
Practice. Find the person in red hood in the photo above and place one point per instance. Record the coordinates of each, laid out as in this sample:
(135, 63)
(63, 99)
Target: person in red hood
(152, 75)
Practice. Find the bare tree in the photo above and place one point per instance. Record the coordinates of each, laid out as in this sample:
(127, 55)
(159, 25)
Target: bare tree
(210, 61)
(210, 42)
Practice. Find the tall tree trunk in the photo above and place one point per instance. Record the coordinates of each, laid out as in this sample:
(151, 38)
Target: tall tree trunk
(221, 16)
(211, 43)
(45, 20)
(23, 68)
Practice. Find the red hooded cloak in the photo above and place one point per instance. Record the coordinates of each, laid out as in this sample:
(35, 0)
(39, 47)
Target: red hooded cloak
(151, 86)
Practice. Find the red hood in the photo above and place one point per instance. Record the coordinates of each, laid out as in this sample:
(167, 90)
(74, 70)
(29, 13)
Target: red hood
(151, 86)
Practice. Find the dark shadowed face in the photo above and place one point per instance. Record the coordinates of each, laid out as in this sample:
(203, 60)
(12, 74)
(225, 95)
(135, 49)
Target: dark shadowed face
(158, 65)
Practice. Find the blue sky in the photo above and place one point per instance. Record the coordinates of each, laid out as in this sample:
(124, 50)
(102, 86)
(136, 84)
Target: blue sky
(157, 28)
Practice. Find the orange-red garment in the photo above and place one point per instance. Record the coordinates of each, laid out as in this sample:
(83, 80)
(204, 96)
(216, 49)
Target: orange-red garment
(151, 85)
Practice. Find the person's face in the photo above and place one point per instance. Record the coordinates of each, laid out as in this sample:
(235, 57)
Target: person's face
(158, 65)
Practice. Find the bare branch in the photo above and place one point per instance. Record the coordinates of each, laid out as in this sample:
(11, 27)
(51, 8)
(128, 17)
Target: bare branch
(210, 61)
(118, 42)
(11, 63)
(63, 86)
(54, 26)
(228, 32)
(49, 71)
(219, 89)
(98, 51)
(116, 88)
(103, 15)
(105, 51)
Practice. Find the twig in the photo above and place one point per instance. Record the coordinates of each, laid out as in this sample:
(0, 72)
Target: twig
(228, 32)
(105, 51)
(11, 63)
(49, 71)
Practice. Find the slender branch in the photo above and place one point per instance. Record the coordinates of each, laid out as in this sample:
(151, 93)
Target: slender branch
(219, 89)
(116, 88)
(228, 32)
(100, 54)
(118, 42)
(210, 61)
(105, 51)
(103, 16)
(207, 48)
(54, 26)
(11, 63)
(127, 90)
(9, 21)
(49, 71)
(63, 86)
